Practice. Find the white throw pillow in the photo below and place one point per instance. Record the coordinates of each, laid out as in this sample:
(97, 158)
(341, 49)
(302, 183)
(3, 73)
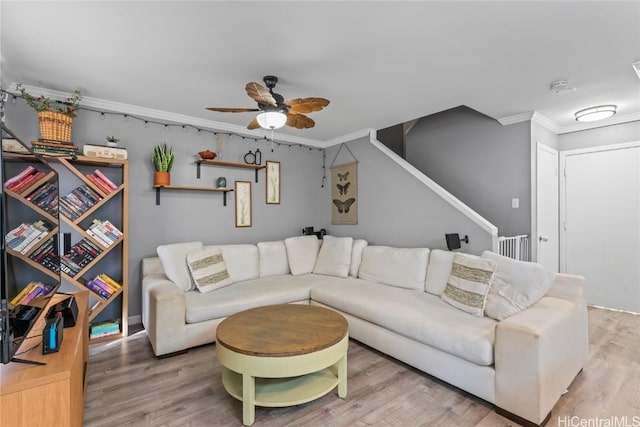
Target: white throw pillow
(273, 259)
(469, 283)
(208, 269)
(334, 258)
(302, 253)
(242, 261)
(516, 286)
(174, 262)
(356, 256)
(401, 267)
(438, 271)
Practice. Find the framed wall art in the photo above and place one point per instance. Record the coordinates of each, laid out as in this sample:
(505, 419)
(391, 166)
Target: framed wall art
(273, 182)
(344, 194)
(243, 203)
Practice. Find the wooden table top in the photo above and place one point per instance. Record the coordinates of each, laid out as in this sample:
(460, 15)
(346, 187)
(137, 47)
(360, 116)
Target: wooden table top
(282, 330)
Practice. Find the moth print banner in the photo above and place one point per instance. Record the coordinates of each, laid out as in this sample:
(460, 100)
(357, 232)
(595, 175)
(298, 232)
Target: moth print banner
(344, 194)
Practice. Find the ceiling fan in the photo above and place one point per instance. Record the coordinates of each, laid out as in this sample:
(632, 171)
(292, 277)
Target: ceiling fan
(275, 111)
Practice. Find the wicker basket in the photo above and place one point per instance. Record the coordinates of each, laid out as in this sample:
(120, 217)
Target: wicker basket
(55, 126)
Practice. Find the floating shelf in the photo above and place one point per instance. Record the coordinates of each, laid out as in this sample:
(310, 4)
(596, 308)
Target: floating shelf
(227, 165)
(224, 191)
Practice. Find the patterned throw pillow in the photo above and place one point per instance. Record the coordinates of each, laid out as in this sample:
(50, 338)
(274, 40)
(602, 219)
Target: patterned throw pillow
(469, 283)
(208, 269)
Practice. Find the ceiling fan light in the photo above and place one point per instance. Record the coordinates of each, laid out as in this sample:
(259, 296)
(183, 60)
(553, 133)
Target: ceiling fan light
(271, 119)
(593, 114)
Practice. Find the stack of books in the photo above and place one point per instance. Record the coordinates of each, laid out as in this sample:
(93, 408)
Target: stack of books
(76, 203)
(24, 180)
(54, 148)
(79, 256)
(102, 181)
(46, 198)
(26, 236)
(47, 256)
(30, 292)
(104, 232)
(103, 285)
(105, 328)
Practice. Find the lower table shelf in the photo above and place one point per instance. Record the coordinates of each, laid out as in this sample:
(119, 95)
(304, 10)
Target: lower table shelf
(224, 191)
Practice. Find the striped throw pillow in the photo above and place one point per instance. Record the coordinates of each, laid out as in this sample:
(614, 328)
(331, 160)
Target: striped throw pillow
(208, 269)
(469, 283)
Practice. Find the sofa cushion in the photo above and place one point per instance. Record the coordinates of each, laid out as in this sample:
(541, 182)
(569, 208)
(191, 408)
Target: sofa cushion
(302, 253)
(402, 267)
(242, 261)
(438, 271)
(516, 286)
(208, 269)
(356, 256)
(173, 258)
(416, 315)
(241, 296)
(334, 258)
(469, 283)
(273, 258)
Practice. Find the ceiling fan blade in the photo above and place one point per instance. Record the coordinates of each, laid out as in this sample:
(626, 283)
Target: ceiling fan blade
(299, 121)
(253, 124)
(232, 110)
(306, 105)
(260, 94)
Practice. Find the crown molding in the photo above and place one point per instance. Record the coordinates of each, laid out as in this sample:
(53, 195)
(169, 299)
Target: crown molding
(362, 133)
(166, 116)
(545, 122)
(517, 118)
(615, 120)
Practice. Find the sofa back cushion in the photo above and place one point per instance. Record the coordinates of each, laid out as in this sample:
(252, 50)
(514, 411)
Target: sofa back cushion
(334, 258)
(401, 267)
(273, 258)
(302, 253)
(356, 256)
(173, 258)
(438, 272)
(242, 261)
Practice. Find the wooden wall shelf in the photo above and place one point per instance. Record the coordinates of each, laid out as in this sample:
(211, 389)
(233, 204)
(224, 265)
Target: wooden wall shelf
(224, 191)
(227, 165)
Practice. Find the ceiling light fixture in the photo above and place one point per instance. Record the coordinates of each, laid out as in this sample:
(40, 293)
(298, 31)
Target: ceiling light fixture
(271, 119)
(593, 114)
(636, 67)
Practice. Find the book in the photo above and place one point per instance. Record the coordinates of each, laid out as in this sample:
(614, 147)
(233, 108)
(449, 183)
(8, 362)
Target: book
(18, 298)
(97, 238)
(88, 192)
(106, 278)
(42, 192)
(104, 285)
(90, 284)
(99, 184)
(24, 185)
(104, 334)
(20, 176)
(105, 179)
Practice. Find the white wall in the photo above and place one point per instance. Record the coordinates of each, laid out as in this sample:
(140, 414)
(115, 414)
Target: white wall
(607, 135)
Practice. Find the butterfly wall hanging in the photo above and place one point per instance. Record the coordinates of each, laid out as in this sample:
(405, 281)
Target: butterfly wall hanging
(344, 191)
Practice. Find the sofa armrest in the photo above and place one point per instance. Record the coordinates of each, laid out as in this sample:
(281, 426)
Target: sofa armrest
(538, 353)
(163, 314)
(569, 286)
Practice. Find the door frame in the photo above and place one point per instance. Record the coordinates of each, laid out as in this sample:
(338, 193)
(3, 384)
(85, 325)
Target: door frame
(563, 192)
(535, 232)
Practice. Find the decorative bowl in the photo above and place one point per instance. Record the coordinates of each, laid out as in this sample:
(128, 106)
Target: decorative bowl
(207, 155)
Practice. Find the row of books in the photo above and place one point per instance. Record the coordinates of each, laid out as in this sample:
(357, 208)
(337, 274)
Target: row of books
(78, 201)
(47, 255)
(21, 182)
(104, 232)
(46, 198)
(30, 292)
(26, 236)
(78, 257)
(54, 148)
(104, 328)
(102, 181)
(103, 285)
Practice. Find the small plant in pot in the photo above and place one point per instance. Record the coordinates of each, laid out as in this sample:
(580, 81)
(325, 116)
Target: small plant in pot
(162, 160)
(112, 141)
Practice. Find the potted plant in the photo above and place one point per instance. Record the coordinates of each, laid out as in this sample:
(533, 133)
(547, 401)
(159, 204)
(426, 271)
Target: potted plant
(55, 117)
(162, 160)
(112, 141)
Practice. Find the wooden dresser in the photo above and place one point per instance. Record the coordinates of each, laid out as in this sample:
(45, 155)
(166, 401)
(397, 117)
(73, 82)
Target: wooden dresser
(53, 394)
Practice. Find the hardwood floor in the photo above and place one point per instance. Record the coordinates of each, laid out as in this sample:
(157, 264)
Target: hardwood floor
(128, 386)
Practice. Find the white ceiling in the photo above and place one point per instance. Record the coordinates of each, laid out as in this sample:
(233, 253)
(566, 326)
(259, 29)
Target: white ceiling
(380, 63)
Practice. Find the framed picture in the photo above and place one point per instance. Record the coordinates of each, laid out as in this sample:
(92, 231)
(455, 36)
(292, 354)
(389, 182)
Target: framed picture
(344, 194)
(273, 182)
(243, 203)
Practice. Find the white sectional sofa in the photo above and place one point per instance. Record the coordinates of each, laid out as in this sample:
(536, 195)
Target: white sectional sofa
(396, 300)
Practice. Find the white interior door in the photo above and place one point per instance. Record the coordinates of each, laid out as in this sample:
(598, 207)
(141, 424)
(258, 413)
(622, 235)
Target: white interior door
(548, 213)
(601, 214)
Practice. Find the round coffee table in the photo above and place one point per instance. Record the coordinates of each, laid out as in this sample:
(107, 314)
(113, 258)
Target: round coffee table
(282, 355)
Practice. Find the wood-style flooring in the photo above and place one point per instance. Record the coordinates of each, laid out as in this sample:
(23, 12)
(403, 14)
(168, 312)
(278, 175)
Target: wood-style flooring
(128, 386)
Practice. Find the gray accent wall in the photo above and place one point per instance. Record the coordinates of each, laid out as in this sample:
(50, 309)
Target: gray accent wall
(606, 135)
(194, 215)
(396, 209)
(478, 160)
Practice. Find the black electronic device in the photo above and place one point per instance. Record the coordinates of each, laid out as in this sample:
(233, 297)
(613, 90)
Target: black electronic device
(453, 241)
(308, 231)
(52, 334)
(69, 309)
